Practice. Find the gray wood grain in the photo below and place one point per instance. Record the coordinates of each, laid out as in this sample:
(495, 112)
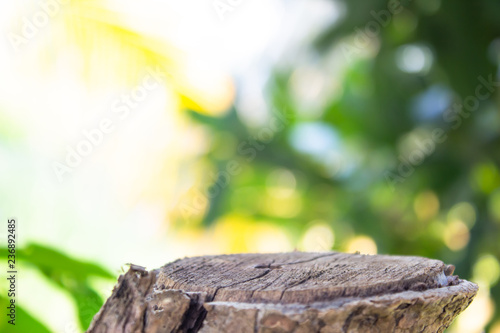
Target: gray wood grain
(287, 292)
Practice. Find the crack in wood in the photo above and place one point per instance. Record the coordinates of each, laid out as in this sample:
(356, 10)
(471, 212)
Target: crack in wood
(338, 294)
(240, 282)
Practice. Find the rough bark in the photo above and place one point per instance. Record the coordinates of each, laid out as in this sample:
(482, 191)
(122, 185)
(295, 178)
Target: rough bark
(287, 292)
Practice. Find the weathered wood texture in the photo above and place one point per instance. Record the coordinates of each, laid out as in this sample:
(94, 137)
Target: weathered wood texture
(287, 292)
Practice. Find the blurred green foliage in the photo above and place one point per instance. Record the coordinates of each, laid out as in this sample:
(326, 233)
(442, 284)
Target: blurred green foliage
(382, 91)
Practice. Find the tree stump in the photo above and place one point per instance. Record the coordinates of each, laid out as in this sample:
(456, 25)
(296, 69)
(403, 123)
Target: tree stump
(287, 292)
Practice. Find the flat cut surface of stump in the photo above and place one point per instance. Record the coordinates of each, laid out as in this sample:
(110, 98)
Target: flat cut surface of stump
(299, 277)
(287, 292)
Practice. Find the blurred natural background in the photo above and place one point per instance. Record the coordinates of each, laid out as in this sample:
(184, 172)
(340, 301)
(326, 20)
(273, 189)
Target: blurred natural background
(145, 131)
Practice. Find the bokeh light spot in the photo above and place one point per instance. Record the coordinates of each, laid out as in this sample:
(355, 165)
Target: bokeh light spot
(494, 205)
(284, 207)
(463, 211)
(414, 59)
(487, 270)
(314, 138)
(308, 85)
(318, 237)
(281, 183)
(268, 238)
(426, 205)
(362, 244)
(234, 234)
(456, 235)
(477, 315)
(485, 177)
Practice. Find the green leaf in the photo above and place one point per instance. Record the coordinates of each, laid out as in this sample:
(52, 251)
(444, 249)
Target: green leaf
(52, 262)
(24, 322)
